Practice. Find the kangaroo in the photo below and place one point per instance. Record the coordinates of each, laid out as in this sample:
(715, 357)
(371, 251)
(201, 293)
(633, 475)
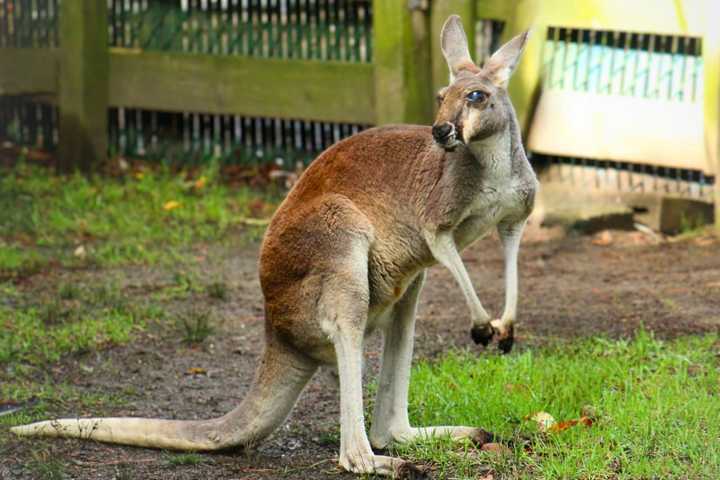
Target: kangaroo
(346, 254)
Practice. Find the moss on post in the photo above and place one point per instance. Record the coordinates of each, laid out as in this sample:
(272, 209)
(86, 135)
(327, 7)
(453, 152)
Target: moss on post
(83, 85)
(403, 91)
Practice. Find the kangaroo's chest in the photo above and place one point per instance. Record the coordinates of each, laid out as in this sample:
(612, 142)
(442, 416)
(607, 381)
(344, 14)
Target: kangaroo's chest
(494, 201)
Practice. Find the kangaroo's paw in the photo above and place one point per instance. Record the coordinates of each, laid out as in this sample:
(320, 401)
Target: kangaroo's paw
(480, 437)
(506, 334)
(482, 334)
(370, 464)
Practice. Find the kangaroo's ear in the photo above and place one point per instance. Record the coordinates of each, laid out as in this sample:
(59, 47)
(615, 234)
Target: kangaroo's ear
(454, 45)
(501, 65)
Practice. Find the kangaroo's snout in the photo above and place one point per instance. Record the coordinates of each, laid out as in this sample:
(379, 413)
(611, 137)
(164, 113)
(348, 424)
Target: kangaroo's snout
(443, 133)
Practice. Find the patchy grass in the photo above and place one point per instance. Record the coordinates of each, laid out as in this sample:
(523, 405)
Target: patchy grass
(218, 290)
(195, 325)
(39, 331)
(655, 405)
(46, 467)
(184, 459)
(39, 397)
(151, 217)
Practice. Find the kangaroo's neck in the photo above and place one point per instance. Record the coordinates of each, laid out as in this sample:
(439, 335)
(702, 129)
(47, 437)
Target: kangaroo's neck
(500, 153)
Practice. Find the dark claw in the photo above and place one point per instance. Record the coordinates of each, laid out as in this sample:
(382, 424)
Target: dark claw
(411, 471)
(505, 344)
(481, 437)
(482, 334)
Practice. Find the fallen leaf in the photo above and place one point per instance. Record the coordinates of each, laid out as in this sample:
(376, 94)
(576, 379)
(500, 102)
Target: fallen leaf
(704, 241)
(561, 426)
(196, 371)
(200, 183)
(80, 252)
(171, 205)
(543, 419)
(603, 238)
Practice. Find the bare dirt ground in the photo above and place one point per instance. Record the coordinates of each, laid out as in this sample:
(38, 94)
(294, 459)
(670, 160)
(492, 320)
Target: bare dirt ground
(571, 286)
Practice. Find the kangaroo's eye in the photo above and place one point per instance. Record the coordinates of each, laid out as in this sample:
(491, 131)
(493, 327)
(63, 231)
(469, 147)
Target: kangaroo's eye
(476, 96)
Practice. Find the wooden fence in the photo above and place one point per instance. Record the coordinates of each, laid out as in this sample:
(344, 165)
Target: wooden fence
(84, 76)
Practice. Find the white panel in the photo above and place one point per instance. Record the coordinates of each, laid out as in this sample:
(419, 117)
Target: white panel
(620, 128)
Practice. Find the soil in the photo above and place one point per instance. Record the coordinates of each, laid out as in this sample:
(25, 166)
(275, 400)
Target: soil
(571, 286)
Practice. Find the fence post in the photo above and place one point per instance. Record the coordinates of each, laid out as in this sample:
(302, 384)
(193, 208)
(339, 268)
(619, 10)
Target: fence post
(441, 10)
(401, 54)
(711, 94)
(83, 85)
(525, 84)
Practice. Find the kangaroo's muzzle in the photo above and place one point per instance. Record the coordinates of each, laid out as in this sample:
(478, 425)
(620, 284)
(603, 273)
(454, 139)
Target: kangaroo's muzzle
(446, 135)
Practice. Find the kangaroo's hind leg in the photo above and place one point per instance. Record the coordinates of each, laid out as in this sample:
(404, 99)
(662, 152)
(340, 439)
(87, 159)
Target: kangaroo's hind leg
(390, 418)
(343, 311)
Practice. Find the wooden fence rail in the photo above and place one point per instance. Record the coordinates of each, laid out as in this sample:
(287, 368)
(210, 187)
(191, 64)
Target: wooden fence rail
(84, 77)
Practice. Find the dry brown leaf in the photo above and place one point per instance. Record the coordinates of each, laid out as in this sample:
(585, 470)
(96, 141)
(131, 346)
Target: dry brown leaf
(200, 183)
(603, 238)
(561, 426)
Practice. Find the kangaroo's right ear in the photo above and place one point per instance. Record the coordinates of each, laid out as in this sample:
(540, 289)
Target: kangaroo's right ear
(454, 45)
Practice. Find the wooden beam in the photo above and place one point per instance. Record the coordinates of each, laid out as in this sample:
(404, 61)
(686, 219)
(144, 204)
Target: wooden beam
(83, 85)
(304, 89)
(401, 46)
(34, 71)
(441, 10)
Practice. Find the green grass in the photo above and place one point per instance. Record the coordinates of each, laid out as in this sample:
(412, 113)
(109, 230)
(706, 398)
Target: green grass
(39, 331)
(150, 217)
(184, 459)
(656, 404)
(195, 325)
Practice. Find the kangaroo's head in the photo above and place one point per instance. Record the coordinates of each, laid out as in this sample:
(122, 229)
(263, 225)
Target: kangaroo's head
(475, 105)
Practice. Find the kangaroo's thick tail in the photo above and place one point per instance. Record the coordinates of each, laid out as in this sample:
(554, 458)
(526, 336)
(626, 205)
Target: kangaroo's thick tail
(280, 378)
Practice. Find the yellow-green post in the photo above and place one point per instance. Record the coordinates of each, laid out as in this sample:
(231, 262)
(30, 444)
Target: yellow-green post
(711, 65)
(83, 85)
(401, 61)
(525, 84)
(441, 10)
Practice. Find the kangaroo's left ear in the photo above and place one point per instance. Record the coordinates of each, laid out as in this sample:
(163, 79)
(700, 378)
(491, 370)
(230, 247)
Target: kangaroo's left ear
(454, 45)
(501, 65)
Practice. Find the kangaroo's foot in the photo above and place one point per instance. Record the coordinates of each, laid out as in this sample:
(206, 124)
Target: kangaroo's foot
(482, 333)
(505, 331)
(365, 462)
(477, 436)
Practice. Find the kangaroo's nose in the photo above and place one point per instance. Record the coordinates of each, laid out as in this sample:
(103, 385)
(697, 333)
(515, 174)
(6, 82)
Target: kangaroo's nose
(442, 132)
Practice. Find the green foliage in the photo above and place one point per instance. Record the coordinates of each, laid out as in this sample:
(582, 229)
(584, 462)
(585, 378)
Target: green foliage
(38, 332)
(75, 221)
(656, 406)
(183, 459)
(47, 468)
(218, 290)
(195, 325)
